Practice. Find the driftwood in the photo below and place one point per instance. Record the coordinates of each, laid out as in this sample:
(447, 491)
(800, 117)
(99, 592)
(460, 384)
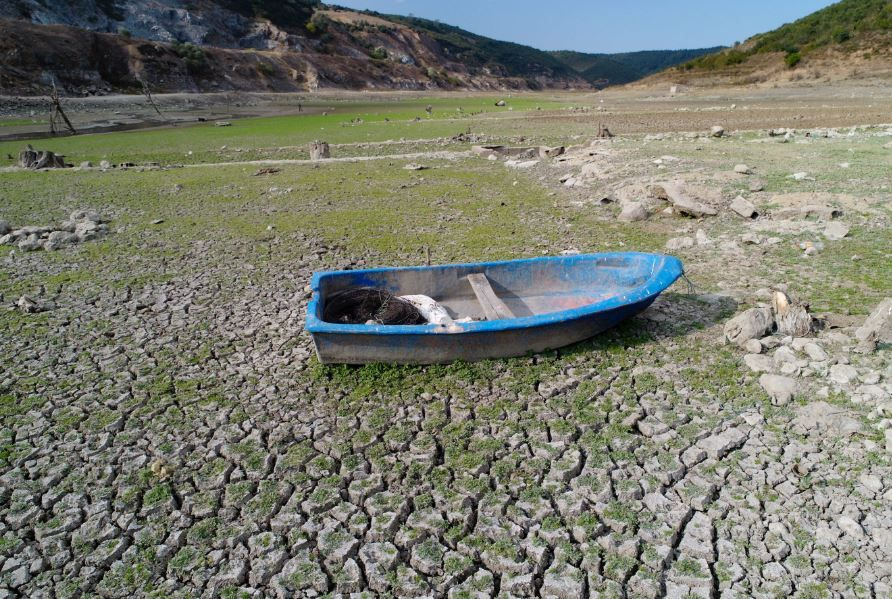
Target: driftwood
(38, 159)
(319, 150)
(791, 318)
(673, 193)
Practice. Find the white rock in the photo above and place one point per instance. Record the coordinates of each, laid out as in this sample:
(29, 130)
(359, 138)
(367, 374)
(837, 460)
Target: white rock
(878, 326)
(750, 324)
(753, 346)
(717, 131)
(836, 231)
(743, 169)
(632, 212)
(759, 362)
(781, 389)
(743, 207)
(843, 374)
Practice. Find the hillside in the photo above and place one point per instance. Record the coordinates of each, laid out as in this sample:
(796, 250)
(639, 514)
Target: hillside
(851, 38)
(626, 67)
(99, 46)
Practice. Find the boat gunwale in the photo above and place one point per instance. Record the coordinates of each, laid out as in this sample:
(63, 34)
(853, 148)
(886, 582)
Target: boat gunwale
(666, 270)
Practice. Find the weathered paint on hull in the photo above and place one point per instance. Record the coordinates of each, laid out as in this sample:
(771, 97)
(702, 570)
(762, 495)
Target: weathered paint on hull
(445, 348)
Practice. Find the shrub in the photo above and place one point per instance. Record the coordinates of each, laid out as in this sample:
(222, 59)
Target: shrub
(792, 59)
(191, 54)
(378, 53)
(264, 68)
(842, 36)
(318, 24)
(124, 32)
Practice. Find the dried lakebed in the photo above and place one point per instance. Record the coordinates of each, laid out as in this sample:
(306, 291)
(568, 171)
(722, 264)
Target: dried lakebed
(167, 432)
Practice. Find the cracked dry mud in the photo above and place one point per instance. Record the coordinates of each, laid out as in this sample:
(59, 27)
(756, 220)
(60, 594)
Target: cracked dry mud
(622, 470)
(174, 437)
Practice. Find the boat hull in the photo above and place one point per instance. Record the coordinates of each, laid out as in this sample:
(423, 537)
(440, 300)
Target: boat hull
(557, 301)
(436, 348)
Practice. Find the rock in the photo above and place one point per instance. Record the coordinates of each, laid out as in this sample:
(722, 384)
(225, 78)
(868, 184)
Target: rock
(781, 389)
(415, 167)
(750, 324)
(877, 328)
(4, 227)
(680, 243)
(30, 243)
(633, 212)
(104, 165)
(701, 238)
(815, 352)
(500, 103)
(753, 346)
(742, 169)
(836, 231)
(759, 362)
(157, 221)
(57, 239)
(85, 216)
(86, 164)
(717, 131)
(756, 186)
(673, 193)
(29, 305)
(548, 152)
(843, 374)
(743, 207)
(521, 164)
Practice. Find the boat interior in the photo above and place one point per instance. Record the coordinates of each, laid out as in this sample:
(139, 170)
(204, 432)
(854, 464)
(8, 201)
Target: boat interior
(501, 290)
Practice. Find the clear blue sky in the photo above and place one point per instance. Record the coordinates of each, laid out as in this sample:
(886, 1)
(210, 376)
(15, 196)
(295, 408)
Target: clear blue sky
(605, 25)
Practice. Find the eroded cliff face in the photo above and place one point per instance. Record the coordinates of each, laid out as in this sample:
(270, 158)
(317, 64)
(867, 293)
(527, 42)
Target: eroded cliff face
(99, 46)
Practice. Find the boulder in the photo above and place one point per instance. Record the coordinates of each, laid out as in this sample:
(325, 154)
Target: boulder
(632, 212)
(781, 389)
(673, 193)
(742, 169)
(877, 328)
(754, 323)
(744, 208)
(717, 131)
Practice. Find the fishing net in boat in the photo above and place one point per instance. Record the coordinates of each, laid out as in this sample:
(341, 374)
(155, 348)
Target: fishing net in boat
(359, 305)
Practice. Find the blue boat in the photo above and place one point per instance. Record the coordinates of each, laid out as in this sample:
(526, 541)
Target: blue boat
(517, 306)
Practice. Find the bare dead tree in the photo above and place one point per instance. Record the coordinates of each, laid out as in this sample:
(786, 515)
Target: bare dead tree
(148, 94)
(58, 116)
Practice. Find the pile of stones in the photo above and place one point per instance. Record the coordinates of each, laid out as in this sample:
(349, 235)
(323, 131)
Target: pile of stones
(82, 225)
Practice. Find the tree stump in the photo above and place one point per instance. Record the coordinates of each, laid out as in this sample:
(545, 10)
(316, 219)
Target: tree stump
(791, 318)
(38, 159)
(319, 150)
